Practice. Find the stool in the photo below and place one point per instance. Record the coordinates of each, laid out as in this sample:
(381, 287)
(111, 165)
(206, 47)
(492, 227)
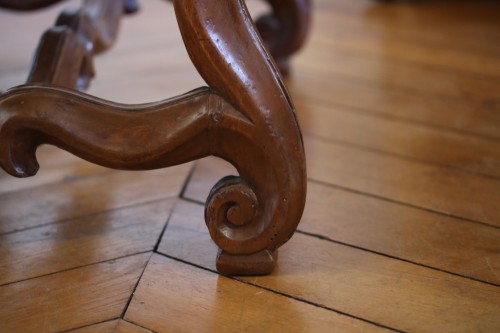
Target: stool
(244, 116)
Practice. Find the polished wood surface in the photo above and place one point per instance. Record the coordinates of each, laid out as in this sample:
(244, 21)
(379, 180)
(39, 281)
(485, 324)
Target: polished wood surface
(96, 293)
(241, 307)
(344, 276)
(245, 106)
(113, 326)
(285, 29)
(64, 56)
(400, 229)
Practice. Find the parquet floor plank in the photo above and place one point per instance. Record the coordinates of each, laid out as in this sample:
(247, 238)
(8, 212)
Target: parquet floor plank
(444, 56)
(391, 74)
(105, 327)
(70, 199)
(220, 304)
(473, 36)
(70, 299)
(442, 190)
(478, 118)
(472, 19)
(114, 326)
(408, 233)
(82, 241)
(435, 188)
(54, 168)
(386, 291)
(404, 139)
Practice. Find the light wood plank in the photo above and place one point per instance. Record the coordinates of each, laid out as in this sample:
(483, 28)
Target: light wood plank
(164, 50)
(82, 241)
(382, 75)
(67, 167)
(321, 61)
(441, 56)
(162, 83)
(408, 233)
(404, 232)
(387, 291)
(194, 300)
(464, 115)
(106, 327)
(81, 197)
(206, 173)
(126, 327)
(473, 19)
(401, 138)
(411, 25)
(159, 65)
(70, 299)
(440, 189)
(114, 326)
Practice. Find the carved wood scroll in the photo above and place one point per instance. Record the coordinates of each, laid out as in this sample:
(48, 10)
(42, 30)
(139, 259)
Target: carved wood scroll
(245, 116)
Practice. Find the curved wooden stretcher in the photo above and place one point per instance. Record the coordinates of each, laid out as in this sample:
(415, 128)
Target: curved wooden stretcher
(244, 116)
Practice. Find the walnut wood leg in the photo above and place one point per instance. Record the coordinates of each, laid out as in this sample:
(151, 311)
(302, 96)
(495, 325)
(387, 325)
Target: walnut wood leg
(245, 117)
(65, 53)
(285, 29)
(260, 209)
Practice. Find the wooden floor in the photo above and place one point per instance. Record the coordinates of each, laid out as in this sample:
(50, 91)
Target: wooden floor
(400, 109)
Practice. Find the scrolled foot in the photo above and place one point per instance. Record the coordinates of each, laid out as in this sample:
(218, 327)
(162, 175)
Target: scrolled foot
(250, 216)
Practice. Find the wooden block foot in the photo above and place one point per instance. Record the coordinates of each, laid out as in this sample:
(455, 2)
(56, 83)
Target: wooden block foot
(260, 263)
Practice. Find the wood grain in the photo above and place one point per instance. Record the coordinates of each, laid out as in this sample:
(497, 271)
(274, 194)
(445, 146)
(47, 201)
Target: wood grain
(80, 197)
(480, 118)
(415, 26)
(414, 53)
(411, 234)
(57, 166)
(392, 74)
(440, 189)
(106, 327)
(416, 235)
(72, 298)
(481, 13)
(113, 326)
(62, 246)
(223, 305)
(401, 138)
(390, 292)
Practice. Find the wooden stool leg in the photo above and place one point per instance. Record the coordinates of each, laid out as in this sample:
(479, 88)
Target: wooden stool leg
(245, 117)
(65, 52)
(260, 209)
(285, 29)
